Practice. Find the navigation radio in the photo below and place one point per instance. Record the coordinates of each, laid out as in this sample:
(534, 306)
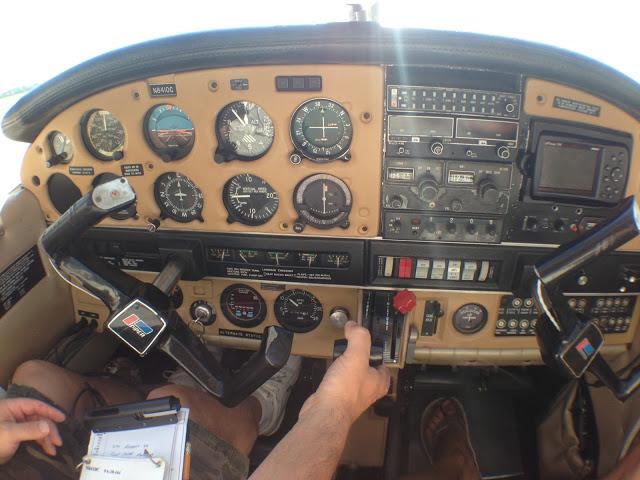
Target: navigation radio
(476, 124)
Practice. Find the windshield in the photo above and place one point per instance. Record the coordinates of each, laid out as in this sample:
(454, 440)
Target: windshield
(63, 34)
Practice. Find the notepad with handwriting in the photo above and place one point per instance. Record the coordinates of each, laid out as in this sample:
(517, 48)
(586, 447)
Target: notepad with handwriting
(166, 442)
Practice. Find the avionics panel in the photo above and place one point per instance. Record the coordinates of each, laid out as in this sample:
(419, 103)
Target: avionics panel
(574, 179)
(451, 140)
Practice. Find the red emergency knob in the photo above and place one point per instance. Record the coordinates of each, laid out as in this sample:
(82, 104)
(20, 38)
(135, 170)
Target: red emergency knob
(404, 301)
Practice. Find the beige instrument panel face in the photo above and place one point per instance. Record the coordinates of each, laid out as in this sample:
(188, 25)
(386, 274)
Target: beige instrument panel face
(316, 343)
(539, 99)
(447, 336)
(359, 89)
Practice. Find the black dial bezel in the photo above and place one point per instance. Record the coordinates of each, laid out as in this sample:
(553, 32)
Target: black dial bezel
(86, 137)
(164, 212)
(233, 215)
(477, 328)
(283, 297)
(307, 217)
(168, 154)
(343, 154)
(225, 152)
(226, 311)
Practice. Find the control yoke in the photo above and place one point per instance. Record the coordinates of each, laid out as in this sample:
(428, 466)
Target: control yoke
(142, 314)
(568, 340)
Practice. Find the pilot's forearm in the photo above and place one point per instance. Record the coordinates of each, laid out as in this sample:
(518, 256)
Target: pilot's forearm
(312, 449)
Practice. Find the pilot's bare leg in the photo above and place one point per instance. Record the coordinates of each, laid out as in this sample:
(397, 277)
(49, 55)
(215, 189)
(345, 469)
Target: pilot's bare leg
(237, 426)
(65, 387)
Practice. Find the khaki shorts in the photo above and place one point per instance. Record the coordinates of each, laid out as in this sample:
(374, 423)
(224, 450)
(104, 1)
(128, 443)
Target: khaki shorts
(211, 457)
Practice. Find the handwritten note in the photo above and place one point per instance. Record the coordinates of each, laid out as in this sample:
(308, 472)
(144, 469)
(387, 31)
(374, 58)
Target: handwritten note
(110, 468)
(166, 442)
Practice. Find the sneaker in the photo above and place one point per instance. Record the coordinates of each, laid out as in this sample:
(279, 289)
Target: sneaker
(273, 396)
(179, 376)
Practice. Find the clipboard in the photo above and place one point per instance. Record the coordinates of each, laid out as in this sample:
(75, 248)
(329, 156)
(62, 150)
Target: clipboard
(154, 431)
(130, 416)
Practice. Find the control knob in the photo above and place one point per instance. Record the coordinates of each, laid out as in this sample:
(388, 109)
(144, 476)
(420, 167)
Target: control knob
(488, 191)
(339, 316)
(452, 228)
(455, 205)
(428, 189)
(397, 201)
(503, 152)
(437, 148)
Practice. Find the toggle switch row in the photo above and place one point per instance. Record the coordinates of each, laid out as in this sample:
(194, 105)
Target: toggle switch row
(436, 269)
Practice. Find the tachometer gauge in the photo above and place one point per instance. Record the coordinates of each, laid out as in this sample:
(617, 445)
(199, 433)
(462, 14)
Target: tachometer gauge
(169, 131)
(249, 199)
(298, 310)
(243, 306)
(102, 134)
(321, 130)
(323, 201)
(178, 198)
(244, 132)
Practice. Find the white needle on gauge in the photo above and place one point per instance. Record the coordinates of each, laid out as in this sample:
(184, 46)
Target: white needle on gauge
(294, 303)
(104, 122)
(238, 117)
(243, 258)
(324, 198)
(240, 196)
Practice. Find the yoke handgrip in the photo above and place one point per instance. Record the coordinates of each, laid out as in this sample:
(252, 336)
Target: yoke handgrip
(606, 237)
(104, 199)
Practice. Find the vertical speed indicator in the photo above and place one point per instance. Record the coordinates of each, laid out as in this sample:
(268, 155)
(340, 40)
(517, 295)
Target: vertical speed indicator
(321, 130)
(249, 199)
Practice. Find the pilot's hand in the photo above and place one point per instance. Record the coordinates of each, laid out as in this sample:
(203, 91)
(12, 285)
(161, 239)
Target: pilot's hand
(23, 419)
(350, 385)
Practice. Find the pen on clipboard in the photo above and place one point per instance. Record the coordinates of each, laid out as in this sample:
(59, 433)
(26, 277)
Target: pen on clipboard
(186, 471)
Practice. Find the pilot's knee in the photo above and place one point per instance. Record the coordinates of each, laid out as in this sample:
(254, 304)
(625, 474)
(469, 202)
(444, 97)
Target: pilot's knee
(32, 372)
(184, 394)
